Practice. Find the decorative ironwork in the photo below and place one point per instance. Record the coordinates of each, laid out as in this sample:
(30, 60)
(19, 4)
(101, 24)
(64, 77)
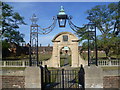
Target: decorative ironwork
(92, 37)
(81, 77)
(62, 79)
(34, 45)
(72, 26)
(48, 29)
(34, 31)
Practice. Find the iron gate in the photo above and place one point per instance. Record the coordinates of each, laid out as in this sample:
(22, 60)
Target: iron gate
(62, 79)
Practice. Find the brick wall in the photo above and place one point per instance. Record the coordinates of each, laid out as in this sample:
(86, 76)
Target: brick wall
(111, 82)
(19, 81)
(13, 81)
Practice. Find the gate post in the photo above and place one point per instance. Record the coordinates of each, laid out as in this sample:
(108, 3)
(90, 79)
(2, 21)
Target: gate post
(81, 77)
(33, 77)
(62, 79)
(46, 79)
(93, 77)
(47, 76)
(42, 78)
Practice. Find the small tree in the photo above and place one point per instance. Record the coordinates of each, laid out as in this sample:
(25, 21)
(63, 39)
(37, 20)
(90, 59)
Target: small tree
(105, 18)
(10, 23)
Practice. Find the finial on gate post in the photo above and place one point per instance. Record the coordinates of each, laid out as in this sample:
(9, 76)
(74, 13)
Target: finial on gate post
(34, 19)
(81, 77)
(45, 66)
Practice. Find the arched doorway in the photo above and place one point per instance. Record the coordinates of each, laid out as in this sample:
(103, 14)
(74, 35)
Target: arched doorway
(65, 56)
(64, 40)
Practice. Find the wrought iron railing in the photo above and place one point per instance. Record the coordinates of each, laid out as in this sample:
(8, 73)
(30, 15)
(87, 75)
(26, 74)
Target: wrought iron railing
(61, 78)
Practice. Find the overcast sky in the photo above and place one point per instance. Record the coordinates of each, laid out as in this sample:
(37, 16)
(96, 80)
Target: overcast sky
(46, 10)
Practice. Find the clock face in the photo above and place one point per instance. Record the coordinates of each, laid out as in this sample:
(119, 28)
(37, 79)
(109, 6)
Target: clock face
(65, 38)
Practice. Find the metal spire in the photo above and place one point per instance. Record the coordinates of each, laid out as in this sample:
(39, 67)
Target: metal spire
(62, 11)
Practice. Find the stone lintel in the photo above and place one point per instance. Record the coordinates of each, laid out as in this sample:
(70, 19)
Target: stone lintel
(55, 41)
(75, 40)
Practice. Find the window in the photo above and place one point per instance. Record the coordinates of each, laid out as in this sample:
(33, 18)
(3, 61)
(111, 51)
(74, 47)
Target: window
(65, 38)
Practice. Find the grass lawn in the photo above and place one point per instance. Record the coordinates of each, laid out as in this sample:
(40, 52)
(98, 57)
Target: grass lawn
(62, 60)
(111, 68)
(16, 58)
(47, 56)
(101, 56)
(23, 68)
(52, 68)
(44, 57)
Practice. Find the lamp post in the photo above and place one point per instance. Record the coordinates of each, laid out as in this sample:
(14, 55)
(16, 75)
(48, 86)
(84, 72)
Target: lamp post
(92, 36)
(33, 51)
(35, 30)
